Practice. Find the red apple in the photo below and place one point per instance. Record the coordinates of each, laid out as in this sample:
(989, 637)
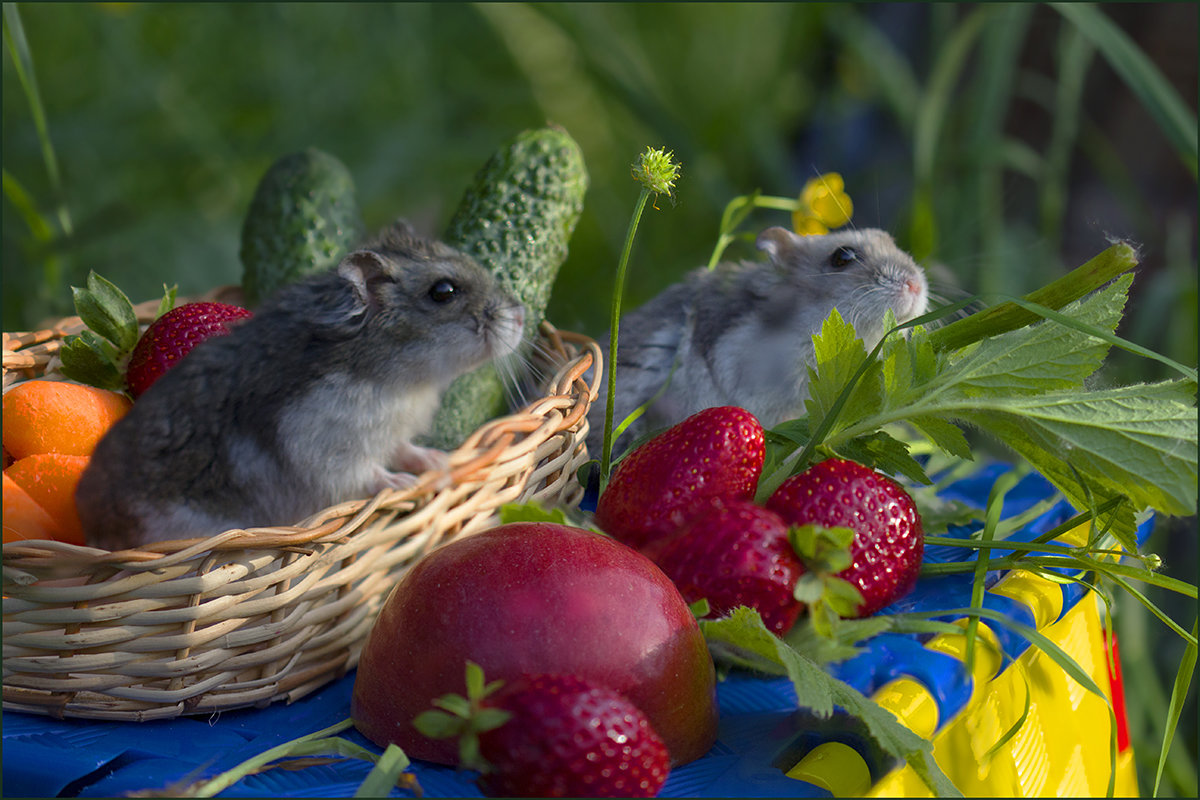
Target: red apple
(535, 598)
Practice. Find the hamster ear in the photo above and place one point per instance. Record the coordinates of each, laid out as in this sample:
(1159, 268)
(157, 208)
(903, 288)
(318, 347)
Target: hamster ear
(364, 270)
(779, 244)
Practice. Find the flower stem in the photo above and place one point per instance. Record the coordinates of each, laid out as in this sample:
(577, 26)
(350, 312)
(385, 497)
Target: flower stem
(618, 291)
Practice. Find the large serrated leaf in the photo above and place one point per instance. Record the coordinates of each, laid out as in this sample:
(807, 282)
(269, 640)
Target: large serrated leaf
(838, 353)
(744, 636)
(946, 435)
(1046, 356)
(1139, 441)
(879, 450)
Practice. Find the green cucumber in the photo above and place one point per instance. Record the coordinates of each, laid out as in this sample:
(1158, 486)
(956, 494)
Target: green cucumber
(515, 220)
(304, 217)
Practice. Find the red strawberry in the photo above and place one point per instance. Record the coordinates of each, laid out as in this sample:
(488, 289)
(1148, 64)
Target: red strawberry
(888, 538)
(733, 554)
(172, 336)
(551, 735)
(717, 452)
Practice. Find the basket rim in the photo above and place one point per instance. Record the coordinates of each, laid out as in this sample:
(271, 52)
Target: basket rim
(575, 353)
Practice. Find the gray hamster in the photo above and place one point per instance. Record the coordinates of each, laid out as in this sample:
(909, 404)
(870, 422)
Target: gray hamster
(313, 401)
(741, 334)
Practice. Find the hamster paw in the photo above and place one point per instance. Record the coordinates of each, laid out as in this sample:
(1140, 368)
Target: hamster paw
(412, 458)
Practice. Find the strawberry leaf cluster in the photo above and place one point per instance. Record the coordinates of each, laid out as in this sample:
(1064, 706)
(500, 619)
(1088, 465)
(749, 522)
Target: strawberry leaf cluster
(98, 355)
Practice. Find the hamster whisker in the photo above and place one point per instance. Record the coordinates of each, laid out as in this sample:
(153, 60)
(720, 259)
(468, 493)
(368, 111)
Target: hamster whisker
(511, 369)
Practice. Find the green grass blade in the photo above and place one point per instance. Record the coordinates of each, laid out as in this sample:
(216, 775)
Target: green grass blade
(1161, 100)
(387, 773)
(931, 114)
(876, 53)
(995, 503)
(1183, 680)
(295, 747)
(18, 47)
(1012, 731)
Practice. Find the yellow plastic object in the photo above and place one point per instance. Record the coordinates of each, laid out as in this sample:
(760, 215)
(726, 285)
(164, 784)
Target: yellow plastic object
(836, 768)
(1061, 749)
(912, 703)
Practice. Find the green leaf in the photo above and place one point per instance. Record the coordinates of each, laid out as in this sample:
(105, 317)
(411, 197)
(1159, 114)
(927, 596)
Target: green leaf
(531, 512)
(744, 639)
(168, 300)
(106, 310)
(487, 719)
(1139, 441)
(700, 608)
(946, 435)
(437, 724)
(882, 451)
(826, 649)
(809, 588)
(843, 596)
(1046, 356)
(474, 680)
(456, 704)
(86, 358)
(838, 354)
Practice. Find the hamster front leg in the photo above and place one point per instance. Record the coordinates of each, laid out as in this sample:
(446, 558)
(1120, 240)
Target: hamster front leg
(407, 463)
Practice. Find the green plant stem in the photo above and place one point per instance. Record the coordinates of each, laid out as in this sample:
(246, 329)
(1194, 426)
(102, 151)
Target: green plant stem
(229, 778)
(618, 291)
(736, 211)
(1116, 260)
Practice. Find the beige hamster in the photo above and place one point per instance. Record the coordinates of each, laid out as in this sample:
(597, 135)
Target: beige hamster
(313, 401)
(741, 334)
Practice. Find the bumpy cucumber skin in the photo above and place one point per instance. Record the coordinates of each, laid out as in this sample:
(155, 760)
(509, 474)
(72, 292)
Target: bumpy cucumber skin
(516, 221)
(304, 217)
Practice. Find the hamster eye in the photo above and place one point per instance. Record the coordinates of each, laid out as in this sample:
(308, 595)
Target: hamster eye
(843, 257)
(443, 291)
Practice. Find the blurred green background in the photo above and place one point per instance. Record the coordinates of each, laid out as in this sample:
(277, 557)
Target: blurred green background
(1002, 143)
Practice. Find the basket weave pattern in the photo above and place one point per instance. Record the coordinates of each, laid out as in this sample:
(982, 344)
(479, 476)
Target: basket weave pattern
(250, 617)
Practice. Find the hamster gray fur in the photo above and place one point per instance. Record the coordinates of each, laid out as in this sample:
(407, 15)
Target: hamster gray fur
(313, 401)
(742, 332)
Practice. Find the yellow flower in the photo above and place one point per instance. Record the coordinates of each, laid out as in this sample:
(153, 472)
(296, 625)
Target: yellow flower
(823, 204)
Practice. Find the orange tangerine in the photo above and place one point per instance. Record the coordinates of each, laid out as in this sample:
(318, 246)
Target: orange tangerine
(43, 416)
(50, 479)
(23, 517)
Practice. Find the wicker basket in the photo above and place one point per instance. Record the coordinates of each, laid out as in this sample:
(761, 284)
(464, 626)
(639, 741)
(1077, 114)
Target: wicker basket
(250, 617)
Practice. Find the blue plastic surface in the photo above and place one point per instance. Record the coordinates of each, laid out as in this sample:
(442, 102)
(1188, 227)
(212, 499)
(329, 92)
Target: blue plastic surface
(761, 732)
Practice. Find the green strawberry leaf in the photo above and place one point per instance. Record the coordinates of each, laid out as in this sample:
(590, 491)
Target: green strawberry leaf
(438, 724)
(168, 300)
(842, 596)
(106, 310)
(744, 640)
(86, 358)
